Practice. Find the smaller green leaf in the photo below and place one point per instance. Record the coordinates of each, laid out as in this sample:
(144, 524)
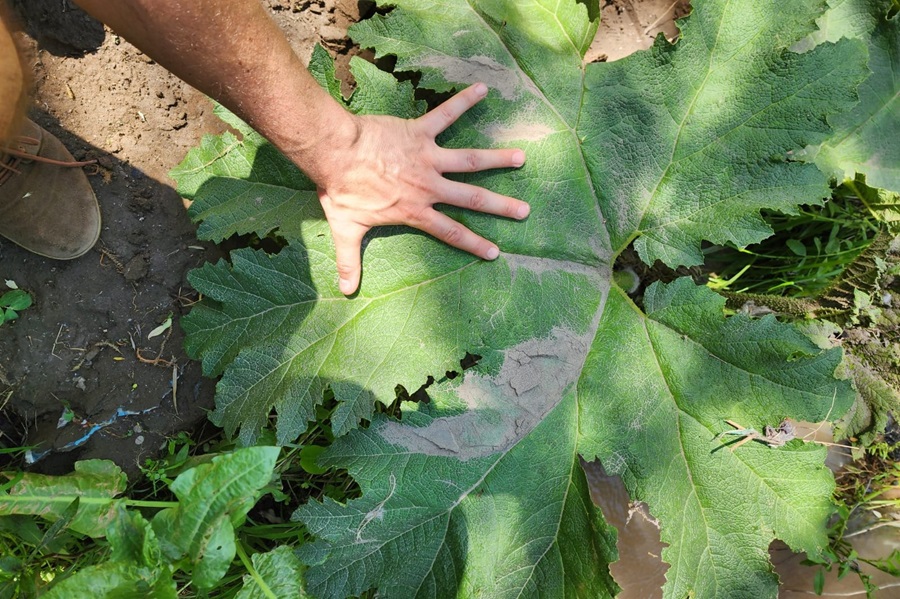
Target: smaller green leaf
(796, 246)
(113, 580)
(9, 314)
(166, 325)
(218, 552)
(132, 539)
(309, 459)
(135, 568)
(95, 483)
(57, 528)
(890, 564)
(15, 300)
(876, 399)
(214, 498)
(321, 67)
(23, 528)
(279, 571)
(819, 581)
(10, 565)
(844, 566)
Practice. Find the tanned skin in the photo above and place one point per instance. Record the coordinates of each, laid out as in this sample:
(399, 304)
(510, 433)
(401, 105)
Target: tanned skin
(370, 170)
(12, 81)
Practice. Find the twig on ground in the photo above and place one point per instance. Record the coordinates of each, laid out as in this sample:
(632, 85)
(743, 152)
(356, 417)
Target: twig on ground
(158, 360)
(56, 342)
(773, 437)
(120, 268)
(659, 20)
(175, 388)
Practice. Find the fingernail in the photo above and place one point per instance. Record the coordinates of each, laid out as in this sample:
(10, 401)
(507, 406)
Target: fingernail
(523, 211)
(518, 159)
(346, 286)
(481, 89)
(492, 253)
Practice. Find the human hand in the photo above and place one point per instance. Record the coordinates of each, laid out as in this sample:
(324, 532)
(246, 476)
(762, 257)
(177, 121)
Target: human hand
(392, 174)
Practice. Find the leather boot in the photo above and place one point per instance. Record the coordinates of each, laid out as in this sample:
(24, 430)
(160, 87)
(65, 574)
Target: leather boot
(46, 205)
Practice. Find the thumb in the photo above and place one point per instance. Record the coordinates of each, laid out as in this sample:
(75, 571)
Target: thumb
(347, 248)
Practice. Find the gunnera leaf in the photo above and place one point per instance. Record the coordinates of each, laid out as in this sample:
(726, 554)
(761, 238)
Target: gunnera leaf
(480, 491)
(864, 139)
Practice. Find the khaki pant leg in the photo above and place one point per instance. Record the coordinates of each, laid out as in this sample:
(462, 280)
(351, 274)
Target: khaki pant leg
(12, 80)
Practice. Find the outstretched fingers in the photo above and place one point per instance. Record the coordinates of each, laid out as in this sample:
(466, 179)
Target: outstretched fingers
(348, 238)
(449, 231)
(471, 197)
(409, 200)
(446, 114)
(472, 161)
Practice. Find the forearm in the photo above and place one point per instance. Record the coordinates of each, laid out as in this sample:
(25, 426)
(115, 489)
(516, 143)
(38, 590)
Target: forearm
(369, 170)
(232, 51)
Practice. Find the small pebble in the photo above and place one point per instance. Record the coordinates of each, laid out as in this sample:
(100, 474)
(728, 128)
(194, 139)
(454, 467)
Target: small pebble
(139, 440)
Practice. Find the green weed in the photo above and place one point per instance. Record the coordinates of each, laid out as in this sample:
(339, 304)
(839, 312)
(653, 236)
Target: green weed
(12, 302)
(861, 496)
(809, 250)
(35, 554)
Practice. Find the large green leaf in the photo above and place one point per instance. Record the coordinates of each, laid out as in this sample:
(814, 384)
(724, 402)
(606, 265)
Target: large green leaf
(95, 483)
(480, 493)
(431, 523)
(669, 380)
(865, 139)
(244, 187)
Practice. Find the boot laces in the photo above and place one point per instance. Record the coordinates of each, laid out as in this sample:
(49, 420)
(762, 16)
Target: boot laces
(13, 155)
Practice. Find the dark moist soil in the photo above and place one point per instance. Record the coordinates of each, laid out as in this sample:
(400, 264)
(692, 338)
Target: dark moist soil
(84, 344)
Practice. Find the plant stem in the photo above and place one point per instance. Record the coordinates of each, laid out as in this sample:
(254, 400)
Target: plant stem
(861, 198)
(152, 504)
(871, 528)
(67, 499)
(249, 565)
